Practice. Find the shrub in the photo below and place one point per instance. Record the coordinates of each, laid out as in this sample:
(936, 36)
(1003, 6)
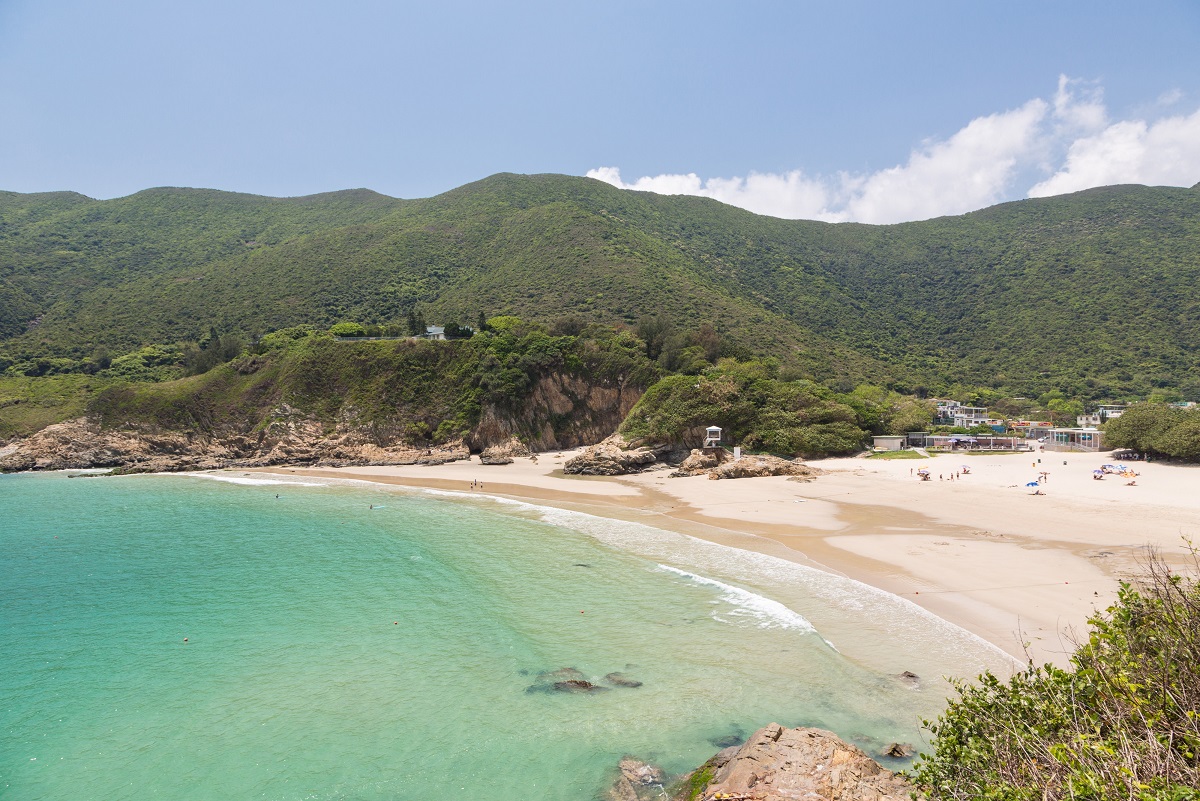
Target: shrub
(1122, 723)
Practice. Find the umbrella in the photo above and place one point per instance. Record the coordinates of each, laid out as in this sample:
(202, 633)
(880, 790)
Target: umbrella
(1033, 484)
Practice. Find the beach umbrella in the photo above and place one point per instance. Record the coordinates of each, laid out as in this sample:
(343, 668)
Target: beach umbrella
(1033, 484)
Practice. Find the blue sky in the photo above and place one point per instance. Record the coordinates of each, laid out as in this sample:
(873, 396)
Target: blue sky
(872, 111)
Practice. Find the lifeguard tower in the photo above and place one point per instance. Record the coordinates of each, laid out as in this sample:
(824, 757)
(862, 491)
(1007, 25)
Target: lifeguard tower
(712, 437)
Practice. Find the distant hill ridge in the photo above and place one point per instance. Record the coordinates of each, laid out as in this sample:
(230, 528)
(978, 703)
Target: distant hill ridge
(1096, 293)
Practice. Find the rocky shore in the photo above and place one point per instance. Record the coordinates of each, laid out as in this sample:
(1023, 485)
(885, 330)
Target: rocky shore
(774, 764)
(83, 443)
(616, 456)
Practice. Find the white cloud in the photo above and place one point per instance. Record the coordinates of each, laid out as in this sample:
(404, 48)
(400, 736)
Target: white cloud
(1069, 138)
(971, 169)
(1165, 152)
(789, 195)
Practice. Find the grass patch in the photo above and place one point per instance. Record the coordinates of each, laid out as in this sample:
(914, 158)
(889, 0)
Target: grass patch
(898, 455)
(28, 405)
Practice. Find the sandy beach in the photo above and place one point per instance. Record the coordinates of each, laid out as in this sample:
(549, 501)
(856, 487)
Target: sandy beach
(1020, 570)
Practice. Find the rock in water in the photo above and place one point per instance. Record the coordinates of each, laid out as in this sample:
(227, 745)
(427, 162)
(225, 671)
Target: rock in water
(621, 680)
(899, 750)
(577, 686)
(638, 781)
(778, 764)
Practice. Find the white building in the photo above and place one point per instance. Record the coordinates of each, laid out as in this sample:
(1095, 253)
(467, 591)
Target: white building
(1102, 415)
(970, 416)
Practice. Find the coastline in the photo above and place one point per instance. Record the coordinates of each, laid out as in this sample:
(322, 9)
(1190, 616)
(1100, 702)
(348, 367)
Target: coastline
(1018, 570)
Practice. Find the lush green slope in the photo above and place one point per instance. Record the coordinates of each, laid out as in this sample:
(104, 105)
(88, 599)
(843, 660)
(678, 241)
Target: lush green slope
(1094, 293)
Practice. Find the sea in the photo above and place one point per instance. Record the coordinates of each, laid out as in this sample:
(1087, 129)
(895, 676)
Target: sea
(234, 636)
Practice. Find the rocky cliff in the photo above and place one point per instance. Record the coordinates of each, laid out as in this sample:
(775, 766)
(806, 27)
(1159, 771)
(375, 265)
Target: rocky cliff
(560, 411)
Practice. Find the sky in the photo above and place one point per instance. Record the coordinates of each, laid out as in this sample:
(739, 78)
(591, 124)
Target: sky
(874, 112)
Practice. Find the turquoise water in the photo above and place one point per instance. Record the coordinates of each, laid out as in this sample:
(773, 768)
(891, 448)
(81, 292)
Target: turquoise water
(335, 651)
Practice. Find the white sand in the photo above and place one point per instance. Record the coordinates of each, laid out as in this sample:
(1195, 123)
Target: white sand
(982, 552)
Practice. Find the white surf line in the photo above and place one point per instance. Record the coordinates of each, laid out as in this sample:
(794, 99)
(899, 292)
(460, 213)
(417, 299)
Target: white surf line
(770, 613)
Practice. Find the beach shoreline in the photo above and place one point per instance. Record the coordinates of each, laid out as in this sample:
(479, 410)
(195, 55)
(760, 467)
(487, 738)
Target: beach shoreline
(1022, 571)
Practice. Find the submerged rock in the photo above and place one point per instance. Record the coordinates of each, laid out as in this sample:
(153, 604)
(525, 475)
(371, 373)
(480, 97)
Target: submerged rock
(621, 680)
(909, 679)
(577, 686)
(564, 680)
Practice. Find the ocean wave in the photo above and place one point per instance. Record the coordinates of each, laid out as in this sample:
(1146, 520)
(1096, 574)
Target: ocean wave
(880, 609)
(246, 480)
(768, 613)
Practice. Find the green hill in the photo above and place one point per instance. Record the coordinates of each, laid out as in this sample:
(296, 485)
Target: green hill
(1094, 293)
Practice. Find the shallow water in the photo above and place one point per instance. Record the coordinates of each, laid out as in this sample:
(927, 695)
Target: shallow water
(335, 651)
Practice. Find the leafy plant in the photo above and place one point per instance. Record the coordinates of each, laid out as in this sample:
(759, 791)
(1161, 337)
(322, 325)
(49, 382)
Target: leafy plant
(1123, 722)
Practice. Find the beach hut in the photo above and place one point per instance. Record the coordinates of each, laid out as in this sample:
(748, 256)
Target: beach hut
(888, 443)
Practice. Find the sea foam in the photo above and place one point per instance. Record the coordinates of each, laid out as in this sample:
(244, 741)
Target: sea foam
(245, 480)
(768, 613)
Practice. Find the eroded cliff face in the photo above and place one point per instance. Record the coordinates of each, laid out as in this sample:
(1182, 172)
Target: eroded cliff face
(561, 412)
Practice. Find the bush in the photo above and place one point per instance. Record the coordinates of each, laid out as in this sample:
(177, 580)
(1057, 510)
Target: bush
(1122, 723)
(348, 330)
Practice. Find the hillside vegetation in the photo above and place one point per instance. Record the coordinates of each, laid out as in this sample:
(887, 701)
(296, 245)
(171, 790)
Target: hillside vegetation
(407, 390)
(1095, 294)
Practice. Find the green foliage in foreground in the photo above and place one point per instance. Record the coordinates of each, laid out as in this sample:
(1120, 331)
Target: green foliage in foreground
(1157, 428)
(1122, 723)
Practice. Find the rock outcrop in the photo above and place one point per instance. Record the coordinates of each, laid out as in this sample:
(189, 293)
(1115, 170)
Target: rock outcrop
(779, 764)
(718, 463)
(613, 457)
(287, 439)
(637, 781)
(504, 453)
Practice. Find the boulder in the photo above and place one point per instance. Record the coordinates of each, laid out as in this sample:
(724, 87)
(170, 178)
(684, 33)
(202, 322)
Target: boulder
(899, 750)
(612, 457)
(779, 764)
(701, 460)
(636, 781)
(504, 454)
(763, 465)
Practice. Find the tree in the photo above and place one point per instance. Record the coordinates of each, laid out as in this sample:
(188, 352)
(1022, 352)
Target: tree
(348, 330)
(453, 330)
(1142, 427)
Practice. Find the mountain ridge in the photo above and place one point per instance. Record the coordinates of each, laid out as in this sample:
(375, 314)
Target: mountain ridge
(1032, 294)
